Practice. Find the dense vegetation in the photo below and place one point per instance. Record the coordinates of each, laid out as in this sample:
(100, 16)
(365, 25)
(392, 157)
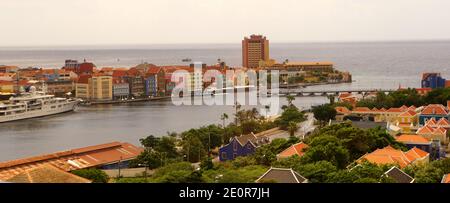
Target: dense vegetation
(407, 97)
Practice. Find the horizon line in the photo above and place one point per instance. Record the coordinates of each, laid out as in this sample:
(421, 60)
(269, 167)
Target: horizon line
(213, 43)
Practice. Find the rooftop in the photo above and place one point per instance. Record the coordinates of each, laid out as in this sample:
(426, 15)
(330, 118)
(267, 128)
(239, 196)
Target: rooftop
(295, 149)
(412, 139)
(398, 175)
(389, 155)
(47, 174)
(282, 175)
(74, 159)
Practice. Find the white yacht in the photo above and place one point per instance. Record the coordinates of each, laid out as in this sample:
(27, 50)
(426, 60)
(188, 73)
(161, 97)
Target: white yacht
(34, 104)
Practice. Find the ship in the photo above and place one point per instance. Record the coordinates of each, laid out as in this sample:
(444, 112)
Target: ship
(186, 60)
(34, 104)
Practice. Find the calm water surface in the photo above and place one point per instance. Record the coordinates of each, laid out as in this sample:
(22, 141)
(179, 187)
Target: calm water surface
(373, 65)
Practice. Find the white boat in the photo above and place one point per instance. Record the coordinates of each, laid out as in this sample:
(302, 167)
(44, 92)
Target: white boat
(34, 104)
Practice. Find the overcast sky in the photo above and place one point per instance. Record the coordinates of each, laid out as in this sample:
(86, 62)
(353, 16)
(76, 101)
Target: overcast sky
(98, 22)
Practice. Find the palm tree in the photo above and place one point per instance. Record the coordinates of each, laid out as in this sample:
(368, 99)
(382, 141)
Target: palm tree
(292, 128)
(290, 98)
(223, 117)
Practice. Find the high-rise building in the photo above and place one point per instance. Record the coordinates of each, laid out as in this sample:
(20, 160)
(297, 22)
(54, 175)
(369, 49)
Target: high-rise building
(254, 50)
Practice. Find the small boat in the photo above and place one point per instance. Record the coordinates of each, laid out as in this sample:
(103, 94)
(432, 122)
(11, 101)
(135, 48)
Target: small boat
(186, 60)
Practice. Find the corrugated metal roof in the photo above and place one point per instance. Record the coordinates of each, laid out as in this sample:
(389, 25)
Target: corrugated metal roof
(80, 158)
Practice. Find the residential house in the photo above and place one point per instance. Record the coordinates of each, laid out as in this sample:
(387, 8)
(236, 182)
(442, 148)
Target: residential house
(6, 86)
(398, 175)
(407, 121)
(417, 141)
(436, 111)
(281, 175)
(295, 149)
(433, 133)
(8, 69)
(341, 112)
(241, 146)
(390, 155)
(105, 156)
(47, 174)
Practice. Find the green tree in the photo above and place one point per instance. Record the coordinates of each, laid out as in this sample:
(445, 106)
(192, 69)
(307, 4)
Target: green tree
(327, 148)
(223, 117)
(292, 128)
(324, 113)
(96, 175)
(290, 114)
(316, 172)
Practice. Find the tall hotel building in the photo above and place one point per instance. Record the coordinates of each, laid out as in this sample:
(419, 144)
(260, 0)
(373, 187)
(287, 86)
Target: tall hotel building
(254, 50)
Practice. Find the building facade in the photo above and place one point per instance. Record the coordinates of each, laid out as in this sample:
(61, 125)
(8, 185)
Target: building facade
(254, 50)
(433, 80)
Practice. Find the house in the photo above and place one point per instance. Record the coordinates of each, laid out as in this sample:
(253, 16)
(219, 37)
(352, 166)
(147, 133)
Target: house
(341, 112)
(295, 149)
(281, 175)
(431, 133)
(436, 111)
(390, 155)
(47, 174)
(417, 141)
(398, 175)
(104, 156)
(433, 80)
(446, 178)
(407, 120)
(241, 146)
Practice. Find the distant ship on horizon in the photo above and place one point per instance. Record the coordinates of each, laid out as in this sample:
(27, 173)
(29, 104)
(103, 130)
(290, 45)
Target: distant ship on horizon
(186, 60)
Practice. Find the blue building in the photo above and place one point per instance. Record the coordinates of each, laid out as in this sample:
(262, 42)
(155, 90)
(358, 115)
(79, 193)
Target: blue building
(151, 85)
(241, 146)
(436, 111)
(432, 80)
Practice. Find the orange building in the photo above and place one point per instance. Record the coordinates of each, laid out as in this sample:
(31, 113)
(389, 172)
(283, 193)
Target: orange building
(389, 155)
(254, 50)
(295, 149)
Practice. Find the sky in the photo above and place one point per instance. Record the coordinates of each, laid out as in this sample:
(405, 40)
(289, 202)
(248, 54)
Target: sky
(115, 22)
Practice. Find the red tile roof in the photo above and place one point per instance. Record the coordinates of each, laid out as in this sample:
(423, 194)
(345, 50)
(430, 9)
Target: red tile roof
(408, 113)
(296, 149)
(85, 157)
(412, 139)
(389, 155)
(435, 109)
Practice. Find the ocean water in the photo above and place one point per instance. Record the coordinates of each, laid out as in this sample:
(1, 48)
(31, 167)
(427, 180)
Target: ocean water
(381, 65)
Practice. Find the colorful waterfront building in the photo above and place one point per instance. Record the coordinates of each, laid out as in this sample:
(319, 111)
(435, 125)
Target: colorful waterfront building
(241, 146)
(121, 89)
(155, 84)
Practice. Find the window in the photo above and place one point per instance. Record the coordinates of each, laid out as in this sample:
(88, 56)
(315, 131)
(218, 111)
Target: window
(235, 146)
(234, 155)
(224, 155)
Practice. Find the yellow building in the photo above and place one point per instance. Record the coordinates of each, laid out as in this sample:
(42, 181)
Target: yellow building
(82, 87)
(407, 120)
(6, 86)
(100, 87)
